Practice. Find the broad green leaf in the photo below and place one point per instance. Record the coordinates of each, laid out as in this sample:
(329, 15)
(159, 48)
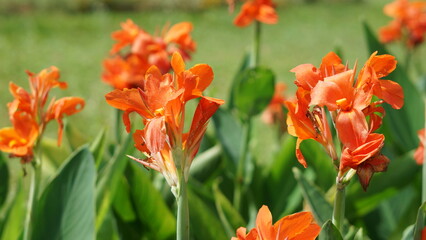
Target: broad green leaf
(229, 131)
(253, 91)
(204, 223)
(329, 232)
(406, 121)
(321, 209)
(122, 201)
(109, 229)
(401, 172)
(98, 147)
(206, 163)
(4, 180)
(66, 209)
(229, 216)
(108, 179)
(408, 233)
(53, 153)
(149, 204)
(74, 136)
(15, 215)
(244, 66)
(420, 222)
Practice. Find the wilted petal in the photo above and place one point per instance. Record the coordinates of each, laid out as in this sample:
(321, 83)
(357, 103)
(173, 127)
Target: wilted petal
(366, 170)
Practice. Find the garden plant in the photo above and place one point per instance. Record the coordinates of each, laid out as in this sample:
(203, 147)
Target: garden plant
(157, 147)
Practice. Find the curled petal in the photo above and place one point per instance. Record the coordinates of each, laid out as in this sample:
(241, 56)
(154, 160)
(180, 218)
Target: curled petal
(366, 170)
(307, 76)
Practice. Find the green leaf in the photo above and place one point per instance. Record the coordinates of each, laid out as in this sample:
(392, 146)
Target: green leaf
(15, 216)
(401, 172)
(109, 229)
(420, 222)
(229, 131)
(74, 136)
(66, 209)
(54, 154)
(321, 209)
(149, 204)
(244, 66)
(408, 233)
(254, 90)
(4, 180)
(204, 223)
(98, 146)
(404, 122)
(122, 201)
(230, 217)
(108, 180)
(206, 163)
(330, 232)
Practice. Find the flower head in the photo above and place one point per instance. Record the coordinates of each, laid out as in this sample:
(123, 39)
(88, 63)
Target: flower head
(408, 24)
(29, 115)
(135, 51)
(296, 226)
(160, 101)
(349, 100)
(255, 10)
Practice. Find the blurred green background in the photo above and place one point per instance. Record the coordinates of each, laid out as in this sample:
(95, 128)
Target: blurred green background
(75, 37)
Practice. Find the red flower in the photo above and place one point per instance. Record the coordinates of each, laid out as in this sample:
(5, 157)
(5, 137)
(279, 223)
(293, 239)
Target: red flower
(28, 114)
(293, 227)
(161, 103)
(126, 70)
(256, 10)
(409, 22)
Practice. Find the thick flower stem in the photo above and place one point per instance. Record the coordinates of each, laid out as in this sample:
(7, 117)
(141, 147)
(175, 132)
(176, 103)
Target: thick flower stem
(339, 205)
(256, 45)
(239, 177)
(32, 198)
(182, 230)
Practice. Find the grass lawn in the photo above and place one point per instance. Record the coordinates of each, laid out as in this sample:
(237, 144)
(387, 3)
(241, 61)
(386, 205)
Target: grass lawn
(77, 44)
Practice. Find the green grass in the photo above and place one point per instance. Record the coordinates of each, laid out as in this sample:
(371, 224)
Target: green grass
(77, 44)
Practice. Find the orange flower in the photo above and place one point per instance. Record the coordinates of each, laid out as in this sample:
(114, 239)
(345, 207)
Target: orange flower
(126, 70)
(296, 226)
(409, 22)
(274, 112)
(161, 104)
(259, 10)
(28, 114)
(419, 153)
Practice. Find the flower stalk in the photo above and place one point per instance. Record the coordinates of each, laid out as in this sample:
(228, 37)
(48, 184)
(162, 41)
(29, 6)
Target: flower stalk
(256, 44)
(339, 204)
(182, 229)
(32, 197)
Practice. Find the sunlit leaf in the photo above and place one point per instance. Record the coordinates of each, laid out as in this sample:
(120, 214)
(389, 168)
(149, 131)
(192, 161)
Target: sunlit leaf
(329, 232)
(66, 209)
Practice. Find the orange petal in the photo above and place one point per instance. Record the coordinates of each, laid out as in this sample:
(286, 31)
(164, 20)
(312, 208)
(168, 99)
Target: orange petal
(383, 64)
(307, 76)
(298, 226)
(177, 63)
(205, 73)
(331, 64)
(371, 147)
(352, 128)
(419, 153)
(267, 15)
(391, 92)
(155, 134)
(264, 226)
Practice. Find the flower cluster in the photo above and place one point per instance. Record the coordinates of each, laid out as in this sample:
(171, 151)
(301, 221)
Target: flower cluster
(160, 101)
(255, 10)
(409, 23)
(126, 69)
(296, 226)
(355, 115)
(29, 117)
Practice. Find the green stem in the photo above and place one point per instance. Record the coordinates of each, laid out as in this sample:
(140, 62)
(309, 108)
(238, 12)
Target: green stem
(117, 125)
(32, 198)
(339, 205)
(256, 44)
(423, 166)
(182, 230)
(239, 177)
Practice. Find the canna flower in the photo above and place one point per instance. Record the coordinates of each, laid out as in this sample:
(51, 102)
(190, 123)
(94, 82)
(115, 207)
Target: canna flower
(29, 115)
(355, 115)
(296, 226)
(255, 10)
(408, 24)
(419, 153)
(161, 103)
(274, 112)
(136, 50)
